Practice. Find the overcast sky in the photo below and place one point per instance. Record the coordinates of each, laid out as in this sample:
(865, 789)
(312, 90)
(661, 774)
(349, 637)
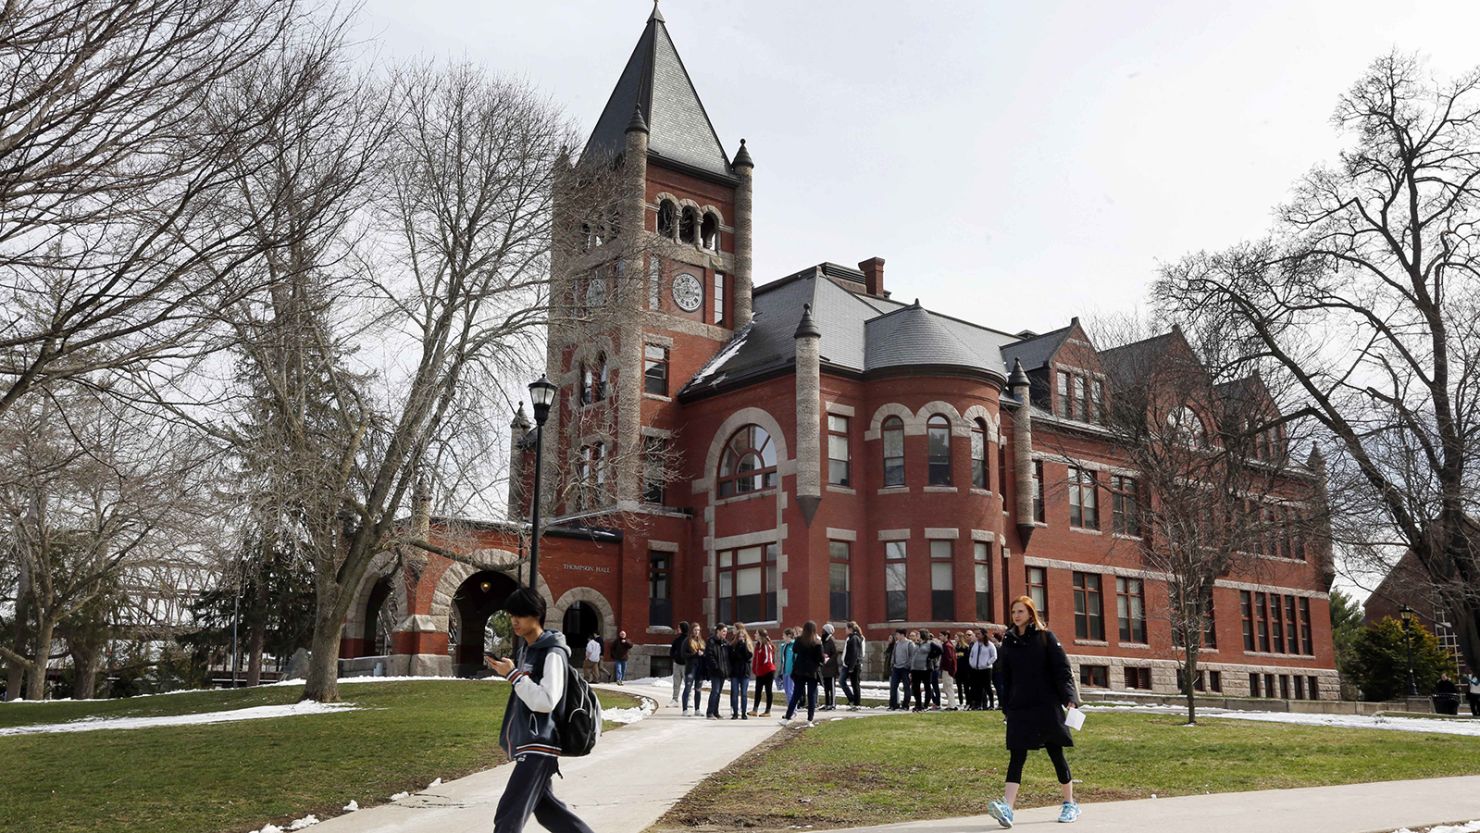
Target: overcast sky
(1016, 164)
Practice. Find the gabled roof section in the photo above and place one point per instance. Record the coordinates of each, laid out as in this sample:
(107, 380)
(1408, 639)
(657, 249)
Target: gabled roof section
(915, 336)
(1034, 352)
(1132, 363)
(655, 81)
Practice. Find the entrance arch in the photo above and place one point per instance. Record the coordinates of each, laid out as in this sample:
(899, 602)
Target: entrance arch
(380, 619)
(580, 622)
(477, 598)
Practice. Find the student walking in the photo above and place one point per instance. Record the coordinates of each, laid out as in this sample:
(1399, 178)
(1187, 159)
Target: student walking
(621, 649)
(829, 669)
(983, 658)
(919, 669)
(806, 672)
(742, 649)
(787, 638)
(1037, 688)
(763, 665)
(528, 731)
(675, 658)
(899, 653)
(592, 668)
(965, 677)
(948, 671)
(852, 671)
(693, 667)
(717, 665)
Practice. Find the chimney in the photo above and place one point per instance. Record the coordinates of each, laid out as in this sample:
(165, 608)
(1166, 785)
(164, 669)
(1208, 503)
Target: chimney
(873, 276)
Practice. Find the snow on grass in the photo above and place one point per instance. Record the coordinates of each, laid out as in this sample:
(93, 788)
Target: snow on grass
(352, 806)
(631, 714)
(400, 795)
(1344, 721)
(94, 724)
(1471, 827)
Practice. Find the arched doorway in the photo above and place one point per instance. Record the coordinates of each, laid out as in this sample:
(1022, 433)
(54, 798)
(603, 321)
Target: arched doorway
(477, 598)
(380, 620)
(581, 622)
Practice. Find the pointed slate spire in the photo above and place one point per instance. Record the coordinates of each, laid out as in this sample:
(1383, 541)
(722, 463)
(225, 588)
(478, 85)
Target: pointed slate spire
(638, 122)
(807, 328)
(521, 422)
(655, 81)
(1019, 377)
(742, 157)
(656, 15)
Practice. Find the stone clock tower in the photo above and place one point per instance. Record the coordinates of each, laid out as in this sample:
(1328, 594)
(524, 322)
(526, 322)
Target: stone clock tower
(653, 294)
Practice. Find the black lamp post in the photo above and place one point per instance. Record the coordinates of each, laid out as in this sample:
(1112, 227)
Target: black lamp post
(541, 394)
(1406, 613)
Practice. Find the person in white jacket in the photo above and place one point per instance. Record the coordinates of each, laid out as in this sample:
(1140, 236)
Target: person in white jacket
(981, 658)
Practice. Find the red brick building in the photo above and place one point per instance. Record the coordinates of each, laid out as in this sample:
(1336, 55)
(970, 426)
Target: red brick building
(842, 455)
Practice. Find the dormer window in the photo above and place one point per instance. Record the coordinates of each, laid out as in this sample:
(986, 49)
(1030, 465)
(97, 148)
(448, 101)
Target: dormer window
(709, 232)
(688, 226)
(667, 219)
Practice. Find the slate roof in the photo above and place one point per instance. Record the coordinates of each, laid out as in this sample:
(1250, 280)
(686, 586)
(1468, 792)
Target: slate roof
(679, 129)
(1035, 351)
(860, 333)
(1128, 361)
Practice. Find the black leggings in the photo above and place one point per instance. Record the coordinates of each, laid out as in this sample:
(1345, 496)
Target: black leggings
(1020, 756)
(766, 682)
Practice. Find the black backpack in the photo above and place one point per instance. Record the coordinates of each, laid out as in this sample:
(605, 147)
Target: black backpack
(578, 717)
(934, 651)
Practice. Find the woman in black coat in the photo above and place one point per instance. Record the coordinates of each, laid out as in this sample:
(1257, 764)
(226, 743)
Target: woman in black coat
(1037, 687)
(807, 662)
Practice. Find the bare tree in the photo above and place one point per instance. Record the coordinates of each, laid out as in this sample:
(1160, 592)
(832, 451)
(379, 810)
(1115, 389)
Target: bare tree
(89, 494)
(1365, 298)
(1212, 488)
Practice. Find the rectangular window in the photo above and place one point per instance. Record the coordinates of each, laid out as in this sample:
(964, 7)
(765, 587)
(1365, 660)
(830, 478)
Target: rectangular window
(893, 454)
(1094, 676)
(1215, 681)
(838, 588)
(654, 476)
(1312, 687)
(1261, 621)
(1138, 678)
(1299, 687)
(938, 446)
(1097, 402)
(942, 582)
(660, 590)
(1081, 399)
(655, 369)
(1277, 623)
(1038, 492)
(719, 297)
(838, 457)
(1125, 506)
(1197, 683)
(1064, 408)
(1253, 685)
(1269, 691)
(978, 456)
(1001, 468)
(894, 583)
(1130, 606)
(1246, 609)
(1038, 589)
(1306, 646)
(981, 553)
(1084, 507)
(1284, 686)
(1089, 612)
(747, 584)
(1292, 627)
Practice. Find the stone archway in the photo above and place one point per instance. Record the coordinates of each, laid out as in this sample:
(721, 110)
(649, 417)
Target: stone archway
(477, 598)
(587, 610)
(501, 561)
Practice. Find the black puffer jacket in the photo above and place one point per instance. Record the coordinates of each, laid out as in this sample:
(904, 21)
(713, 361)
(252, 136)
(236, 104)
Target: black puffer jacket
(830, 651)
(740, 655)
(717, 658)
(806, 662)
(1036, 682)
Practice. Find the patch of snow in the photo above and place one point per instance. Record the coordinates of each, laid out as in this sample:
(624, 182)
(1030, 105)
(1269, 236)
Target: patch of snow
(352, 806)
(307, 821)
(1344, 721)
(1470, 827)
(400, 795)
(631, 714)
(436, 783)
(714, 364)
(269, 828)
(94, 724)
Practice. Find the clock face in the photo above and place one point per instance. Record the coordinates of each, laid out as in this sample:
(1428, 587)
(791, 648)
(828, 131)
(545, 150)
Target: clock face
(688, 293)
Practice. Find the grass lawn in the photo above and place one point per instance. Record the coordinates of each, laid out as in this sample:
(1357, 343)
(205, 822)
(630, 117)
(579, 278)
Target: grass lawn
(232, 777)
(901, 768)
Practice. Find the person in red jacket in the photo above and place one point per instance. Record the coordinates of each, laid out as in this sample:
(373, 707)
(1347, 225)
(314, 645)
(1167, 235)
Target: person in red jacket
(948, 671)
(763, 663)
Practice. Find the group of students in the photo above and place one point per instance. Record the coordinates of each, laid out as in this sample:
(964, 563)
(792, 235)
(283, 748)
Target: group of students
(1028, 668)
(960, 667)
(805, 659)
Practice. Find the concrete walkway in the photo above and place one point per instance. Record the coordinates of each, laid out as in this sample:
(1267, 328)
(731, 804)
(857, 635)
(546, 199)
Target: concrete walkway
(636, 773)
(1354, 808)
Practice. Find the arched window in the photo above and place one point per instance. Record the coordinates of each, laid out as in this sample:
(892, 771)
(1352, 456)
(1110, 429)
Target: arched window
(688, 226)
(667, 219)
(593, 380)
(709, 232)
(1187, 427)
(587, 383)
(893, 431)
(938, 432)
(979, 454)
(603, 377)
(749, 462)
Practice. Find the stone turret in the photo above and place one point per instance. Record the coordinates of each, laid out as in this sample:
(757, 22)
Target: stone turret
(809, 414)
(518, 429)
(1022, 450)
(744, 206)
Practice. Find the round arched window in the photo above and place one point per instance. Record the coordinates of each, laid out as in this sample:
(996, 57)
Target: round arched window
(1187, 427)
(749, 462)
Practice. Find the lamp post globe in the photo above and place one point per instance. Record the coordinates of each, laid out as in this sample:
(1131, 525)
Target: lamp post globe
(541, 395)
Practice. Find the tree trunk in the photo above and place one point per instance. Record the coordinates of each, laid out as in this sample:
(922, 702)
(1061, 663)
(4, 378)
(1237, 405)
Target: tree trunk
(1189, 679)
(256, 640)
(85, 667)
(36, 684)
(323, 664)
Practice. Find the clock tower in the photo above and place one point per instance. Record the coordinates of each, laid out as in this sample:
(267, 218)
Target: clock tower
(648, 288)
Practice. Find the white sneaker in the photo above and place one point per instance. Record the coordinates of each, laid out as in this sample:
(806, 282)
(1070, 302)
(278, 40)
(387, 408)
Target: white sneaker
(685, 712)
(672, 703)
(811, 724)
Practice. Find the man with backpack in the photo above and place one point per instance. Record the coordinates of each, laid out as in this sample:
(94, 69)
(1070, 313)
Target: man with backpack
(675, 656)
(551, 712)
(852, 666)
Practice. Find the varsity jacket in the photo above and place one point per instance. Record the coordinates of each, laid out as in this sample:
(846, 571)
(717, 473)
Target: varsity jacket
(538, 685)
